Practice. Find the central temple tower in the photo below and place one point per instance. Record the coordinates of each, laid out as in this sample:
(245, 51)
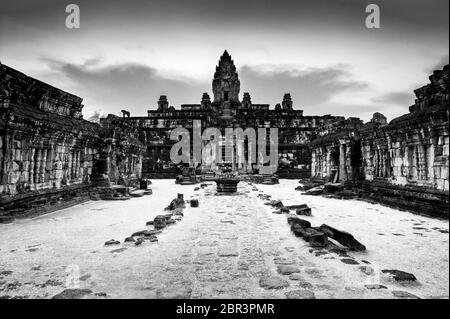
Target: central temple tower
(226, 84)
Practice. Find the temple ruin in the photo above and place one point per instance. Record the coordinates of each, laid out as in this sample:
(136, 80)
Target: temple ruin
(51, 157)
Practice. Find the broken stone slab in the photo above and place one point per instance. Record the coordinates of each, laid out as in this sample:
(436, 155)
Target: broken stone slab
(300, 294)
(194, 203)
(139, 241)
(137, 193)
(112, 242)
(314, 237)
(275, 203)
(282, 210)
(404, 295)
(305, 211)
(273, 282)
(159, 222)
(72, 294)
(292, 220)
(152, 239)
(343, 238)
(145, 232)
(287, 269)
(129, 240)
(349, 261)
(375, 286)
(296, 206)
(399, 275)
(315, 191)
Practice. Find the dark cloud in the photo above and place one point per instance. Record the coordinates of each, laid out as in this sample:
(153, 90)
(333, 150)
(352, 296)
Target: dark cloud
(397, 98)
(309, 87)
(136, 87)
(131, 86)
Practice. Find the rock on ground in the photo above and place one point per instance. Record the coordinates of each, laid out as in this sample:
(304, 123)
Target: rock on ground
(343, 238)
(404, 295)
(399, 275)
(287, 269)
(112, 242)
(72, 294)
(273, 282)
(300, 294)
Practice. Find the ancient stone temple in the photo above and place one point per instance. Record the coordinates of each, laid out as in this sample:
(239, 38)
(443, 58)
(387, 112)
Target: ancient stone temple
(404, 162)
(226, 110)
(50, 154)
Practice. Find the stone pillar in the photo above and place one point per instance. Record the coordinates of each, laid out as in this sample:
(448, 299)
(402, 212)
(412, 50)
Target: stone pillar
(43, 165)
(342, 157)
(313, 163)
(78, 165)
(326, 168)
(37, 165)
(31, 165)
(430, 161)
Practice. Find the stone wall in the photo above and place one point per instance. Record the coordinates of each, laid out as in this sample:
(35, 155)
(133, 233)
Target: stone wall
(49, 155)
(414, 148)
(336, 152)
(404, 163)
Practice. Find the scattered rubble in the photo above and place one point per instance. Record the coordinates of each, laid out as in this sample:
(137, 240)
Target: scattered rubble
(194, 203)
(300, 294)
(72, 294)
(303, 210)
(273, 282)
(343, 238)
(112, 242)
(404, 295)
(399, 275)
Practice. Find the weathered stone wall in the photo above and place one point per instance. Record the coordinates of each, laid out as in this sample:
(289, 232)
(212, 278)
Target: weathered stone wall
(411, 150)
(414, 148)
(404, 164)
(336, 154)
(49, 154)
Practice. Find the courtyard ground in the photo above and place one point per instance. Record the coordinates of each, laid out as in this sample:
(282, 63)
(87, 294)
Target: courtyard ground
(231, 246)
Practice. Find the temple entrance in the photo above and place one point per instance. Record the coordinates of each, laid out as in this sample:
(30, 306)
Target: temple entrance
(334, 167)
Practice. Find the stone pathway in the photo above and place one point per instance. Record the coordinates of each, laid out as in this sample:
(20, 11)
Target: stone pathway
(231, 246)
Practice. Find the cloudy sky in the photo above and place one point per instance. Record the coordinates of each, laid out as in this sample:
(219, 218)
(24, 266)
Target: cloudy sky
(127, 53)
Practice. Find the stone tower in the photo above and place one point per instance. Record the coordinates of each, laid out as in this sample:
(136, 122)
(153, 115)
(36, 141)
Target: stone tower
(226, 84)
